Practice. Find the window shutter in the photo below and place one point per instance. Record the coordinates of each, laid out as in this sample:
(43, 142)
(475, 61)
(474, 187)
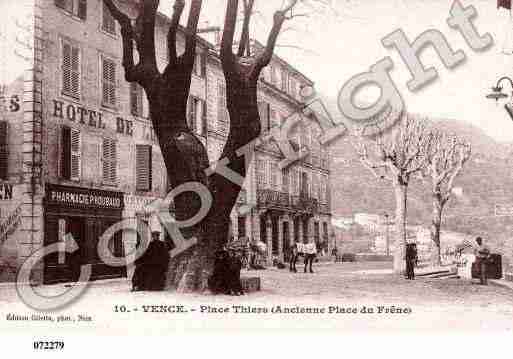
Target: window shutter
(191, 113)
(66, 152)
(82, 9)
(76, 145)
(284, 80)
(108, 82)
(273, 175)
(261, 173)
(274, 75)
(285, 180)
(66, 68)
(75, 71)
(264, 110)
(204, 118)
(4, 150)
(70, 69)
(144, 167)
(109, 154)
(135, 99)
(221, 108)
(203, 64)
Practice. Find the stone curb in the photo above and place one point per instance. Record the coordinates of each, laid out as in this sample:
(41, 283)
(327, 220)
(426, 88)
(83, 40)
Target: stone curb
(502, 283)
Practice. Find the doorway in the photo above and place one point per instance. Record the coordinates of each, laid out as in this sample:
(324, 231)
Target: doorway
(286, 241)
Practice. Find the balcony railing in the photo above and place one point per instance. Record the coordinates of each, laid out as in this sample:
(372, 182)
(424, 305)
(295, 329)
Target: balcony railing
(275, 199)
(270, 198)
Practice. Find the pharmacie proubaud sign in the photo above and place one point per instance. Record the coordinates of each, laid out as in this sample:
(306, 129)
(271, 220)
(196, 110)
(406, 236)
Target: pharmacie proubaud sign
(77, 197)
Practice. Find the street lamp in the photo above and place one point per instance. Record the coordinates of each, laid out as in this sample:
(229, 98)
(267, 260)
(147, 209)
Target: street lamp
(497, 94)
(387, 237)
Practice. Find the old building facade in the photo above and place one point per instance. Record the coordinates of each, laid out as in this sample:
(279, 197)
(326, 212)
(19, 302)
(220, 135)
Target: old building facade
(78, 152)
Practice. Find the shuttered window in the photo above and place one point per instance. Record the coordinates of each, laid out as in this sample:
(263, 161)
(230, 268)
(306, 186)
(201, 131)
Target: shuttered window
(76, 158)
(200, 65)
(222, 111)
(108, 21)
(108, 82)
(324, 157)
(109, 160)
(324, 189)
(4, 150)
(285, 181)
(192, 113)
(204, 119)
(295, 181)
(292, 87)
(303, 137)
(71, 154)
(143, 167)
(197, 115)
(274, 75)
(264, 110)
(82, 9)
(284, 80)
(70, 69)
(315, 187)
(136, 99)
(261, 173)
(74, 7)
(273, 175)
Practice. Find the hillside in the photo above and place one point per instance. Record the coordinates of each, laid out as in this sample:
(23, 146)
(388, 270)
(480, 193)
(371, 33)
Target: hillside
(486, 181)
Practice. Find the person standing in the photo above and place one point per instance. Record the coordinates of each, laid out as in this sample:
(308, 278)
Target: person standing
(334, 252)
(482, 253)
(411, 259)
(293, 257)
(310, 252)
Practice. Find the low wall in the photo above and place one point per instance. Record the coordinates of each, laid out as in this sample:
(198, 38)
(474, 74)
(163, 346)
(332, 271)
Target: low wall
(373, 258)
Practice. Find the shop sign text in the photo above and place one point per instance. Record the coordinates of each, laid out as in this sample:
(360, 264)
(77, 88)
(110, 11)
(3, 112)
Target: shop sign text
(88, 117)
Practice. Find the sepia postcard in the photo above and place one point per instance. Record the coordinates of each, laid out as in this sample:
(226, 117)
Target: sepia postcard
(278, 166)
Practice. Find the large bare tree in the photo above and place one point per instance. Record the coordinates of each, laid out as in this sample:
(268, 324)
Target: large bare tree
(185, 157)
(446, 159)
(396, 155)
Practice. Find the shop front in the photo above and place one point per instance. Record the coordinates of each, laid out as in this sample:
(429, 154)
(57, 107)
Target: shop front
(85, 214)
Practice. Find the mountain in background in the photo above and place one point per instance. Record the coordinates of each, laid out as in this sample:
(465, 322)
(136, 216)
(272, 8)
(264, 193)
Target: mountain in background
(486, 181)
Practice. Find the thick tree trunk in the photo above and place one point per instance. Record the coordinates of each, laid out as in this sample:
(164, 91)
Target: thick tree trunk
(401, 194)
(186, 160)
(435, 231)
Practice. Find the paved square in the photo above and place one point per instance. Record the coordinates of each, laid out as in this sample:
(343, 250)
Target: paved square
(435, 305)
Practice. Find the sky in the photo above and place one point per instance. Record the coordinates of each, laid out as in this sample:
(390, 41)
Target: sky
(332, 45)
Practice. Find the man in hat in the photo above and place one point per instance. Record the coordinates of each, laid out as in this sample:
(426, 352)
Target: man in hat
(482, 253)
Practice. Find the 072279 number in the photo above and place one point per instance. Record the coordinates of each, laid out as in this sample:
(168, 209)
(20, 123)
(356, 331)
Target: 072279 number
(48, 345)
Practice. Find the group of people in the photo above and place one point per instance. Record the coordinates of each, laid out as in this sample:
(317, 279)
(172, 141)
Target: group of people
(151, 268)
(225, 278)
(308, 251)
(481, 252)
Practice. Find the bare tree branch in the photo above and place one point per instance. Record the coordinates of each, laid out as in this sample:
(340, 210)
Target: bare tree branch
(230, 23)
(279, 18)
(145, 37)
(192, 29)
(132, 72)
(171, 35)
(244, 45)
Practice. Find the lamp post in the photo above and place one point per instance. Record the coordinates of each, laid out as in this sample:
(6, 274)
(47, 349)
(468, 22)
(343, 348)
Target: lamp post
(497, 94)
(387, 237)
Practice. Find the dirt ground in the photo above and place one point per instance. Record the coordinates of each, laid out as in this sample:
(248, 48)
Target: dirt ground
(347, 296)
